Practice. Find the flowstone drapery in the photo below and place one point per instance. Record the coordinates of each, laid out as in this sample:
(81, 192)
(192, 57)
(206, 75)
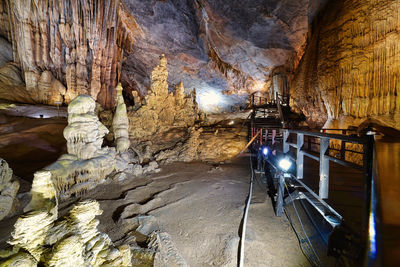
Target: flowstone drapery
(349, 72)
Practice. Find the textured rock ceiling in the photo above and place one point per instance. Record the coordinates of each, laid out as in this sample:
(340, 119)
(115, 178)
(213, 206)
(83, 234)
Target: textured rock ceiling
(223, 48)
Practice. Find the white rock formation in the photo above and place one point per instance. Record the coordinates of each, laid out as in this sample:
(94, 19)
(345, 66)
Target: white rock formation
(72, 241)
(30, 230)
(87, 164)
(84, 132)
(43, 193)
(121, 123)
(8, 189)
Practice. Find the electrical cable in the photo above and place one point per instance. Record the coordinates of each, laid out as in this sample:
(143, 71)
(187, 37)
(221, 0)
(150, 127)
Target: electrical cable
(246, 212)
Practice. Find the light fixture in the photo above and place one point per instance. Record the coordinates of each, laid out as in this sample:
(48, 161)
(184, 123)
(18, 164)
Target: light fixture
(231, 122)
(285, 164)
(265, 151)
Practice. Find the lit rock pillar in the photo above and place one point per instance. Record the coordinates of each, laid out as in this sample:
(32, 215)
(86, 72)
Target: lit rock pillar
(121, 123)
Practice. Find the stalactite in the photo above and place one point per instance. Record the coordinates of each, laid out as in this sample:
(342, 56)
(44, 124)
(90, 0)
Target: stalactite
(80, 42)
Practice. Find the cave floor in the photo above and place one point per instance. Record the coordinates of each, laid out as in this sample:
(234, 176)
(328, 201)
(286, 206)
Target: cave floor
(201, 207)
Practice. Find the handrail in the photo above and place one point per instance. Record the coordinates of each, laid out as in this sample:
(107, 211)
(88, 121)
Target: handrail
(367, 141)
(347, 138)
(279, 99)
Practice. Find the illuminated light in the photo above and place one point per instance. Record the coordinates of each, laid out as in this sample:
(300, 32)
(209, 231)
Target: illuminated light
(285, 164)
(210, 101)
(231, 122)
(258, 86)
(372, 236)
(265, 151)
(372, 226)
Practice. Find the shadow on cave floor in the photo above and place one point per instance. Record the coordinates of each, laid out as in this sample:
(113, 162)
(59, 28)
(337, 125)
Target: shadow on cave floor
(29, 144)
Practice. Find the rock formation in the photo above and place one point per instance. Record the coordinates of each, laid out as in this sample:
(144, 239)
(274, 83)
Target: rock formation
(43, 193)
(350, 69)
(5, 52)
(66, 48)
(84, 133)
(40, 238)
(121, 123)
(164, 117)
(80, 45)
(87, 163)
(8, 189)
(166, 127)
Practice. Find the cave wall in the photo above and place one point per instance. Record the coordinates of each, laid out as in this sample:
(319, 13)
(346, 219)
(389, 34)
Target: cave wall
(69, 47)
(350, 70)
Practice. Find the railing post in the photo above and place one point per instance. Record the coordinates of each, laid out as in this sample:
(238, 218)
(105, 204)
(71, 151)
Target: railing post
(300, 156)
(281, 192)
(285, 141)
(323, 168)
(343, 150)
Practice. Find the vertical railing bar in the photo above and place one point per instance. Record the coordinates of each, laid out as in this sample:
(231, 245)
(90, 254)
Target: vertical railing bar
(285, 141)
(323, 168)
(279, 200)
(300, 156)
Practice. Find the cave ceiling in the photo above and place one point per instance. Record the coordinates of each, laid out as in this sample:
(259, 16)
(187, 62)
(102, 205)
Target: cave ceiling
(224, 49)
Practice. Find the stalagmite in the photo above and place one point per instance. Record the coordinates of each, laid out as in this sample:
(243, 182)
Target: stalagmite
(8, 189)
(84, 133)
(87, 164)
(163, 111)
(121, 123)
(165, 127)
(43, 193)
(30, 230)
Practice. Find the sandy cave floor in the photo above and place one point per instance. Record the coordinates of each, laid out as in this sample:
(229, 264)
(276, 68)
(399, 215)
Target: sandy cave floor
(201, 207)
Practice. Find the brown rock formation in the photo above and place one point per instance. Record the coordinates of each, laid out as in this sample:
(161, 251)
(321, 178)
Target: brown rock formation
(66, 48)
(165, 127)
(163, 113)
(350, 69)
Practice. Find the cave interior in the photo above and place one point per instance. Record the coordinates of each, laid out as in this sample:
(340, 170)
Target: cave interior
(199, 133)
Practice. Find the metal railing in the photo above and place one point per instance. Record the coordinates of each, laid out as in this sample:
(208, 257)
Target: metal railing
(256, 101)
(324, 156)
(370, 226)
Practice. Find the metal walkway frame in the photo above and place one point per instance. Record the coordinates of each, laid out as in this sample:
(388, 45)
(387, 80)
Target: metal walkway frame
(370, 224)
